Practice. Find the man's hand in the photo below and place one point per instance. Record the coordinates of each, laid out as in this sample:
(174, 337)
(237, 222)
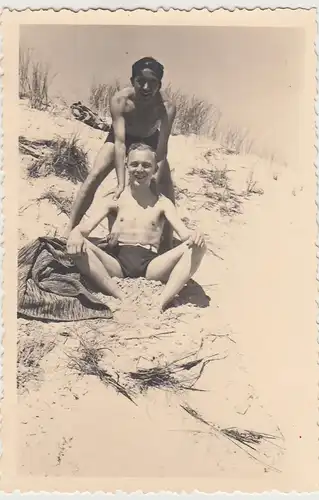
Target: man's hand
(76, 244)
(196, 240)
(117, 193)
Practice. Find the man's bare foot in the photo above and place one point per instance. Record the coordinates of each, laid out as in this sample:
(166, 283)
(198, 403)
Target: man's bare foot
(117, 295)
(162, 306)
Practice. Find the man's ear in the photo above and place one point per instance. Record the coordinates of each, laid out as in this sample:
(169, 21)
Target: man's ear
(132, 80)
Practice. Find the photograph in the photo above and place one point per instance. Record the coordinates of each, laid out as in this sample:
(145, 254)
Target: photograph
(164, 185)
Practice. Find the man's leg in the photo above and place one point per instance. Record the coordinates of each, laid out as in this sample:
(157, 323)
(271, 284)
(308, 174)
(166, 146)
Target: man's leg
(100, 268)
(165, 185)
(176, 267)
(103, 165)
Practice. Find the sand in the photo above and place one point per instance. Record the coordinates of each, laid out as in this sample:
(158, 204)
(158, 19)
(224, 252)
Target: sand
(74, 422)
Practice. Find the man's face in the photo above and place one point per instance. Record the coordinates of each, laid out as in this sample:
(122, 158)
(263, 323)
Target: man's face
(141, 166)
(146, 84)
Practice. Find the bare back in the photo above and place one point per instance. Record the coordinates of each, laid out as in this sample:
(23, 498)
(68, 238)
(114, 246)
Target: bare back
(141, 119)
(137, 224)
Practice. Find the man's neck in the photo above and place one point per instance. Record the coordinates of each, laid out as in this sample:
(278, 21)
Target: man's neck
(146, 103)
(142, 193)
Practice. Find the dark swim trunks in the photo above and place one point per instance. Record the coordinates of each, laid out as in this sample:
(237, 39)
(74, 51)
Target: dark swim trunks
(151, 141)
(133, 259)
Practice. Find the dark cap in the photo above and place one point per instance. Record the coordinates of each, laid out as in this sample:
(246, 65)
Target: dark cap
(148, 63)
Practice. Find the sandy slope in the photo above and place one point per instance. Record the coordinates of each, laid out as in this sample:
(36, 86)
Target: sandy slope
(71, 425)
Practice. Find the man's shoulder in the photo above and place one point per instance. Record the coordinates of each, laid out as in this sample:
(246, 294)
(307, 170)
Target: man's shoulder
(124, 197)
(164, 202)
(122, 96)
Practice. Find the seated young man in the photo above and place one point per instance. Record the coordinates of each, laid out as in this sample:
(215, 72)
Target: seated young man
(136, 234)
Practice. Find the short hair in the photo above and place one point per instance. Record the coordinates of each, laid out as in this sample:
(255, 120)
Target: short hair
(140, 146)
(148, 63)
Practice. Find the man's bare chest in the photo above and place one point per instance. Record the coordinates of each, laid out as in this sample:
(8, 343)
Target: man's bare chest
(142, 116)
(134, 217)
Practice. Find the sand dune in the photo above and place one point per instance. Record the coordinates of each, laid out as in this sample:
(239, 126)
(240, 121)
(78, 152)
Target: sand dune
(89, 428)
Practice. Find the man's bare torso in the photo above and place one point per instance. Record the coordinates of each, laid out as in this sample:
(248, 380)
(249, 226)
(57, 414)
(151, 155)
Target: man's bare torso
(137, 224)
(142, 119)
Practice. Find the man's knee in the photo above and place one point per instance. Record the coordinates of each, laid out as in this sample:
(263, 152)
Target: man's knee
(198, 252)
(80, 255)
(104, 163)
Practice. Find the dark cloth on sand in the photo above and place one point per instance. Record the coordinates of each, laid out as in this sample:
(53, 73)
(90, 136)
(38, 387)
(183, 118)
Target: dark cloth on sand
(151, 141)
(50, 286)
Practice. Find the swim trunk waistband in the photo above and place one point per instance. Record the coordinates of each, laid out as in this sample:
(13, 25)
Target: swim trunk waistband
(148, 247)
(150, 140)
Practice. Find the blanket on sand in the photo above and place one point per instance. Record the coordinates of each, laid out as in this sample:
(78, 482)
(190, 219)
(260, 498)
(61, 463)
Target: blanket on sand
(50, 286)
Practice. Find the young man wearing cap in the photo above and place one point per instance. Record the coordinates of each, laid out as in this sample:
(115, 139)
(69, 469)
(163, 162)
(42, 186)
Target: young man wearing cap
(140, 113)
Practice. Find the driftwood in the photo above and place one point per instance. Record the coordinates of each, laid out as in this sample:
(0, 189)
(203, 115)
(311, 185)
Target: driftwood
(87, 116)
(27, 150)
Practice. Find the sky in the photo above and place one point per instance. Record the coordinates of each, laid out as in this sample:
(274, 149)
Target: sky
(253, 75)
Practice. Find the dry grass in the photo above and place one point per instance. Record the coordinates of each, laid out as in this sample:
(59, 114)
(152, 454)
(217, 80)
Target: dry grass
(30, 353)
(252, 187)
(217, 192)
(91, 358)
(100, 96)
(62, 157)
(193, 115)
(214, 176)
(235, 138)
(62, 202)
(181, 193)
(34, 80)
(87, 361)
(246, 440)
(175, 376)
(225, 200)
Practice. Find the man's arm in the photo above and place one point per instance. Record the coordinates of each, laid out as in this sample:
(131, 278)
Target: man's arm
(177, 224)
(76, 241)
(91, 223)
(167, 121)
(117, 107)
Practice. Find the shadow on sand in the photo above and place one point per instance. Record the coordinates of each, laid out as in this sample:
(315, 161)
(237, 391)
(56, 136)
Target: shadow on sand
(194, 294)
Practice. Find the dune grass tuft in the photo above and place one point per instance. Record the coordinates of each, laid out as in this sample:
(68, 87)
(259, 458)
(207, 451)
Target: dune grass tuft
(100, 96)
(61, 202)
(64, 158)
(193, 115)
(87, 361)
(34, 80)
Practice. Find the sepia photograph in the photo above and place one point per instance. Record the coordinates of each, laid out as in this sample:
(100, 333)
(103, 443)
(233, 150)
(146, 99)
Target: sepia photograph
(162, 187)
